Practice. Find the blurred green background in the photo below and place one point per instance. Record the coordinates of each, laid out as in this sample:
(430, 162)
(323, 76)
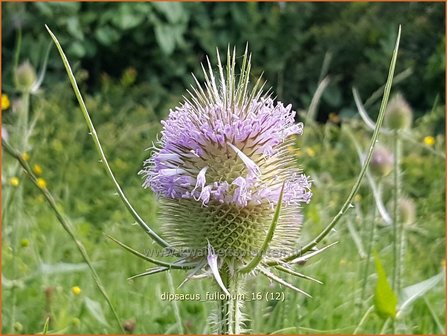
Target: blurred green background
(164, 43)
(133, 62)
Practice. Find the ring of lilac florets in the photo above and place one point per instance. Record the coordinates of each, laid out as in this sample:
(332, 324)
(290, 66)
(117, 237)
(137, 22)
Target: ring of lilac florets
(222, 155)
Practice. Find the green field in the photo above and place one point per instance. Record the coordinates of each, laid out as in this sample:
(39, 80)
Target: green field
(45, 280)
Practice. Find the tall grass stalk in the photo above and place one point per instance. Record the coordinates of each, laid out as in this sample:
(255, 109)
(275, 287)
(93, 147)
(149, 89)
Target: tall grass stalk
(371, 239)
(397, 227)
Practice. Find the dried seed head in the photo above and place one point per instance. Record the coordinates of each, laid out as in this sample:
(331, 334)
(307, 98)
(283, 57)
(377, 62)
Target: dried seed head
(220, 165)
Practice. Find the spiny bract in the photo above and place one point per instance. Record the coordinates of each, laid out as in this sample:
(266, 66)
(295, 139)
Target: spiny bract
(220, 165)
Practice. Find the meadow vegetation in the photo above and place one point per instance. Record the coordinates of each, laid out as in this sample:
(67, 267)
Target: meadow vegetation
(45, 280)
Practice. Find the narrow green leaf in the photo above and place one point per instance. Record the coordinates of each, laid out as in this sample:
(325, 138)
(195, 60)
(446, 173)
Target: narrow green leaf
(46, 326)
(297, 274)
(152, 260)
(411, 293)
(43, 70)
(385, 300)
(281, 281)
(193, 272)
(150, 272)
(96, 311)
(306, 256)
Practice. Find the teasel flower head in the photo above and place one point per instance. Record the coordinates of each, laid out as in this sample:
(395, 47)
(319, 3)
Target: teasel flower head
(230, 192)
(220, 165)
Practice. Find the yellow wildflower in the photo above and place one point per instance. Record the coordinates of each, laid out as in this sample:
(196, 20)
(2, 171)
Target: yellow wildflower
(25, 156)
(14, 181)
(429, 140)
(76, 290)
(24, 242)
(37, 169)
(310, 152)
(5, 102)
(41, 183)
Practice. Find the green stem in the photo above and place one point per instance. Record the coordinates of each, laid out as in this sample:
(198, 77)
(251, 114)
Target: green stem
(22, 138)
(65, 224)
(369, 253)
(23, 120)
(222, 309)
(178, 317)
(397, 226)
(229, 309)
(13, 275)
(17, 53)
(17, 197)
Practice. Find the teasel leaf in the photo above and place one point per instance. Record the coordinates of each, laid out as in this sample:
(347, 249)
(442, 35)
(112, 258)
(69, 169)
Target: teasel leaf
(281, 281)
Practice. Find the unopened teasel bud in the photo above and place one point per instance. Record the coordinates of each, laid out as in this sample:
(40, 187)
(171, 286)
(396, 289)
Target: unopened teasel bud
(398, 114)
(382, 161)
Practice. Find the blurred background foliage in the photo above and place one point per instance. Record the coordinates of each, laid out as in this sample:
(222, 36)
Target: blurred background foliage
(133, 62)
(293, 43)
